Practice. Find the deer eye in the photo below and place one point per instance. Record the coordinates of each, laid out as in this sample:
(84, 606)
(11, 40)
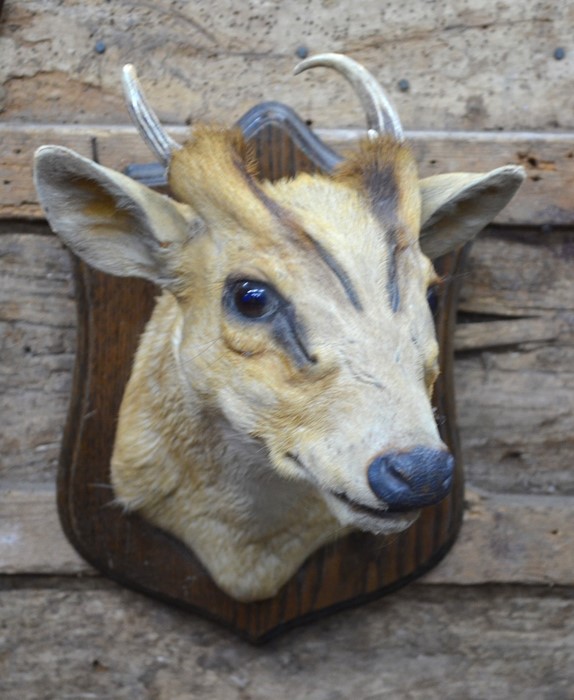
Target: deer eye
(433, 299)
(254, 299)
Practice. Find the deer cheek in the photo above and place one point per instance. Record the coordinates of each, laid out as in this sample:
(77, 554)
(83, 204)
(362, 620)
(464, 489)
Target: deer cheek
(248, 342)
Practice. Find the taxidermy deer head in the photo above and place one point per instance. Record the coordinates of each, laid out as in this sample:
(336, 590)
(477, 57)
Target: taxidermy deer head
(281, 393)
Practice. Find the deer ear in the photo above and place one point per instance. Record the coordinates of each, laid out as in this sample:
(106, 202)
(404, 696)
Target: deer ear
(456, 207)
(109, 220)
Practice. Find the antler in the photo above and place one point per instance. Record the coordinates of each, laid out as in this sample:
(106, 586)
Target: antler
(145, 119)
(381, 115)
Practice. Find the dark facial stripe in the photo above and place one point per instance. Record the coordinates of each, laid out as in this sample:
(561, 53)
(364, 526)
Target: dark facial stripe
(289, 333)
(383, 192)
(379, 170)
(381, 187)
(392, 280)
(338, 271)
(274, 209)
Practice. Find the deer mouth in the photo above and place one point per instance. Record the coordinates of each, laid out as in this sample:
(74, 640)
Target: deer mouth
(378, 521)
(362, 509)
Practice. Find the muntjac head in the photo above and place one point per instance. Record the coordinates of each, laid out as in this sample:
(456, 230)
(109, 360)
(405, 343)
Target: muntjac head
(281, 393)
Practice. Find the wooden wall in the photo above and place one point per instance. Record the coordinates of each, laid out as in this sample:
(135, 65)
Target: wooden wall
(488, 83)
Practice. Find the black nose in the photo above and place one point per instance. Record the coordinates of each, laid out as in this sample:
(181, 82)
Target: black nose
(410, 480)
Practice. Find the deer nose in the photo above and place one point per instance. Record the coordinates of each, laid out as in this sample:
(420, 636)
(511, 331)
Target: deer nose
(410, 480)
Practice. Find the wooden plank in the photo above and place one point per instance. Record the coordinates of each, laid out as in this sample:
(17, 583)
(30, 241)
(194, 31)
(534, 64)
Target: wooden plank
(504, 540)
(512, 539)
(37, 340)
(81, 641)
(31, 538)
(516, 273)
(544, 198)
(17, 194)
(515, 403)
(421, 644)
(498, 334)
(469, 66)
(547, 158)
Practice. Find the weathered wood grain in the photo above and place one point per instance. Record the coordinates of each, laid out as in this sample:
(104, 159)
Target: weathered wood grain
(18, 198)
(31, 538)
(516, 401)
(494, 334)
(520, 272)
(469, 65)
(504, 539)
(37, 347)
(92, 640)
(543, 199)
(512, 539)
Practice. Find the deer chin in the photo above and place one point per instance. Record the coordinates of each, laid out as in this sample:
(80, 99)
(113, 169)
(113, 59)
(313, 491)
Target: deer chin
(379, 521)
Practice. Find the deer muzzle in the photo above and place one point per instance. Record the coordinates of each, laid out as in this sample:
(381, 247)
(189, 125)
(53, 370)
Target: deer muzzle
(411, 479)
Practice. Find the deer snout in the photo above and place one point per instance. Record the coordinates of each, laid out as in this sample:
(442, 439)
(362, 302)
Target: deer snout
(410, 480)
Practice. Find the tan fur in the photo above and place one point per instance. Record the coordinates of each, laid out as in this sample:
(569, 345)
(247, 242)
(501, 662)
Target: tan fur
(225, 439)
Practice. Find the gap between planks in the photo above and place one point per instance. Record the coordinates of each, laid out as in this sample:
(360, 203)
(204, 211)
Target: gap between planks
(504, 539)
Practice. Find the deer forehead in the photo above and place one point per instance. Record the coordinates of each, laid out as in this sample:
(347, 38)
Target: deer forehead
(362, 223)
(323, 249)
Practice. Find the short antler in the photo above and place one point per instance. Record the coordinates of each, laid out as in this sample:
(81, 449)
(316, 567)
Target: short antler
(381, 115)
(145, 119)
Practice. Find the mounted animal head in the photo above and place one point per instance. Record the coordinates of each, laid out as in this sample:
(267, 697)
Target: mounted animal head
(281, 393)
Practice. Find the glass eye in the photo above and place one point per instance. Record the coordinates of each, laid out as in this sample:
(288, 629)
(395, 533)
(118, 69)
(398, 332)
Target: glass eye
(433, 299)
(254, 299)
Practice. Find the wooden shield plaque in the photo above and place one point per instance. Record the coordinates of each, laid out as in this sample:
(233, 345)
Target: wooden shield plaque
(112, 313)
